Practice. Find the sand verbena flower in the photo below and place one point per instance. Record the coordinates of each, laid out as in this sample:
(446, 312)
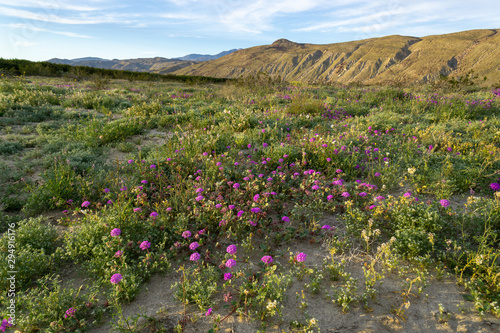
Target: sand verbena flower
(115, 278)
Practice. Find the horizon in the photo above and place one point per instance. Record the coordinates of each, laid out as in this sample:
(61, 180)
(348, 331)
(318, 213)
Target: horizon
(39, 30)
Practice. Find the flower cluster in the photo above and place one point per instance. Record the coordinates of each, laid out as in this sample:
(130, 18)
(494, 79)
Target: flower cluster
(116, 278)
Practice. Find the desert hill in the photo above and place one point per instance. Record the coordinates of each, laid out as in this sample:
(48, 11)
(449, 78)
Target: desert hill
(389, 59)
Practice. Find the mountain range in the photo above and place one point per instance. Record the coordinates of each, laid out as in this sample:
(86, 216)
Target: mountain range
(155, 65)
(383, 60)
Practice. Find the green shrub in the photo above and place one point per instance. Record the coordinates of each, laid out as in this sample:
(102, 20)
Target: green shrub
(58, 185)
(197, 286)
(412, 243)
(10, 148)
(37, 233)
(5, 220)
(30, 264)
(52, 301)
(34, 114)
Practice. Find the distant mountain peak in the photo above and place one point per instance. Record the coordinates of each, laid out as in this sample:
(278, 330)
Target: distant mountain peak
(284, 43)
(206, 57)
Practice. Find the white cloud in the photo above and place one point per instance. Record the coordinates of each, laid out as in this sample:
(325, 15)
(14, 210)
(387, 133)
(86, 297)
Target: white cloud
(49, 16)
(32, 28)
(52, 5)
(183, 16)
(183, 36)
(258, 16)
(381, 18)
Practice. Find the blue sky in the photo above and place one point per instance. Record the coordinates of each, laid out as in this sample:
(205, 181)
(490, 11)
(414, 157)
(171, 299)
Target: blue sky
(40, 30)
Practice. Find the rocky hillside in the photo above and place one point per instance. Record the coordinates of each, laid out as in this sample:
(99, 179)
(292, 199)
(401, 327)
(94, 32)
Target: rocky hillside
(391, 59)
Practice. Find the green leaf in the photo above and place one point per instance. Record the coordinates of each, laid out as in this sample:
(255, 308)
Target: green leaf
(468, 297)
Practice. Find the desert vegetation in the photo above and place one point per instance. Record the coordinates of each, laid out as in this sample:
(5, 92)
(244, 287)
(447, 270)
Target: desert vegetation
(260, 203)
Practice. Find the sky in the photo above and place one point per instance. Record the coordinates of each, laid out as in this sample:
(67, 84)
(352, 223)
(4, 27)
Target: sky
(39, 30)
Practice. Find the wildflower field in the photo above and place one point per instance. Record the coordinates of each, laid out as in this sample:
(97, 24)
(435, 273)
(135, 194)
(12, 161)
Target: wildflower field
(248, 206)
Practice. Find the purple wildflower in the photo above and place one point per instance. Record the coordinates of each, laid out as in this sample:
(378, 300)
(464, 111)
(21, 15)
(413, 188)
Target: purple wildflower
(301, 257)
(195, 256)
(231, 249)
(230, 263)
(194, 245)
(145, 245)
(69, 313)
(227, 276)
(115, 278)
(86, 204)
(267, 259)
(186, 234)
(115, 232)
(444, 203)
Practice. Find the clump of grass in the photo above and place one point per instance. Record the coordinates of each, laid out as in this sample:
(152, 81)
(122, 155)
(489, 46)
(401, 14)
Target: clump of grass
(302, 104)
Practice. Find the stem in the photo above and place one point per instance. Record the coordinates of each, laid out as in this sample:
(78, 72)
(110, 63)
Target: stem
(230, 313)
